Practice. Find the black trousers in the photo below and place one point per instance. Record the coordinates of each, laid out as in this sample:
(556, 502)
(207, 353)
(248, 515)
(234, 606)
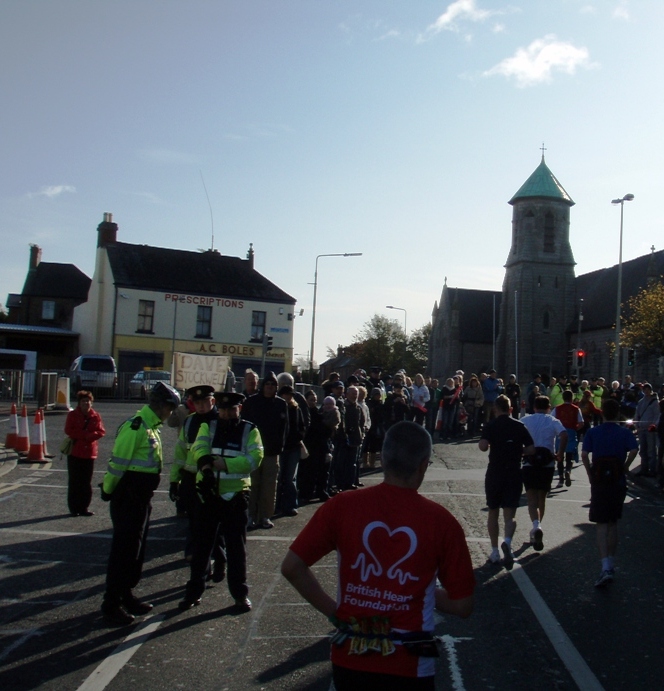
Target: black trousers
(79, 491)
(228, 518)
(130, 513)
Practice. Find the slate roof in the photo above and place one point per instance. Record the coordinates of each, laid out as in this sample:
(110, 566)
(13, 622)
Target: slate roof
(475, 313)
(544, 184)
(54, 280)
(182, 271)
(599, 289)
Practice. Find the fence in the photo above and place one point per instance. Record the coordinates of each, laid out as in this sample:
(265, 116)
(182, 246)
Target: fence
(35, 386)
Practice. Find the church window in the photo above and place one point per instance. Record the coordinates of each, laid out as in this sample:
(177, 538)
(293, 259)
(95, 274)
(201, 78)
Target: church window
(549, 233)
(539, 281)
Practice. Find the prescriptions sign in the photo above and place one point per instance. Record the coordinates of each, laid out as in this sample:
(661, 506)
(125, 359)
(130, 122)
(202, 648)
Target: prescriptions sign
(196, 370)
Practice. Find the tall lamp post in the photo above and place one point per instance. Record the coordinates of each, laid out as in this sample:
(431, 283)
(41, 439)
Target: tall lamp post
(405, 327)
(313, 311)
(616, 355)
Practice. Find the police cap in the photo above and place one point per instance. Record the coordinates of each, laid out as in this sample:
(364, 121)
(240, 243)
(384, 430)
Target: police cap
(228, 399)
(200, 393)
(164, 393)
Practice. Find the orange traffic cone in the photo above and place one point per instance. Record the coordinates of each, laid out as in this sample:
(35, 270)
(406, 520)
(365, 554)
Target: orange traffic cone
(43, 428)
(36, 452)
(10, 439)
(22, 438)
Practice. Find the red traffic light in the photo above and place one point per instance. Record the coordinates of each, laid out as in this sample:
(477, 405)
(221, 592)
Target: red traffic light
(580, 352)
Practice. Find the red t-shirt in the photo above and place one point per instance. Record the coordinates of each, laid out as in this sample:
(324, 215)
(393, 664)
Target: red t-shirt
(391, 545)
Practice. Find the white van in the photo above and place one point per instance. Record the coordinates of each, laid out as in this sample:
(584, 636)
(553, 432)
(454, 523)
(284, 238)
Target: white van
(94, 373)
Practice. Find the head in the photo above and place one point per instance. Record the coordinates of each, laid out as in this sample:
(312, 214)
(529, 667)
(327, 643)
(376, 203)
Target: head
(568, 396)
(163, 400)
(449, 383)
(473, 382)
(329, 403)
(376, 393)
(406, 451)
(537, 378)
(229, 404)
(361, 393)
(85, 400)
(250, 381)
(352, 393)
(285, 379)
(512, 378)
(286, 392)
(542, 404)
(434, 383)
(502, 405)
(338, 389)
(615, 385)
(647, 389)
(269, 385)
(201, 397)
(419, 380)
(492, 373)
(311, 398)
(374, 372)
(610, 409)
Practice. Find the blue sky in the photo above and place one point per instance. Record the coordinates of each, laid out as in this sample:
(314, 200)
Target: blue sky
(395, 129)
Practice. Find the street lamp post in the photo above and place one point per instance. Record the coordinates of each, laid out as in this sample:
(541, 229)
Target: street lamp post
(313, 311)
(616, 355)
(405, 326)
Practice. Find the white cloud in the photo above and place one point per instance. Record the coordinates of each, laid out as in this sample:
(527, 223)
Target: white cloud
(392, 33)
(536, 63)
(52, 191)
(498, 28)
(461, 10)
(588, 9)
(621, 11)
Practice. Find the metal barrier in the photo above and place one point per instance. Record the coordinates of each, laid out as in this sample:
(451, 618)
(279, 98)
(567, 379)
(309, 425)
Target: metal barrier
(20, 386)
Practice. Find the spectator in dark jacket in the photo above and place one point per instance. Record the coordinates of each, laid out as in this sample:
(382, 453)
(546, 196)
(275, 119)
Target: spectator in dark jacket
(290, 457)
(269, 413)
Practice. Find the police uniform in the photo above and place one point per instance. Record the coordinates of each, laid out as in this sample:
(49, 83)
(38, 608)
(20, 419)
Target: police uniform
(184, 468)
(132, 477)
(225, 499)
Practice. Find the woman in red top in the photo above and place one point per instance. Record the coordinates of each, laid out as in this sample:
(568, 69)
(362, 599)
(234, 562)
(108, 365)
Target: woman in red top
(84, 426)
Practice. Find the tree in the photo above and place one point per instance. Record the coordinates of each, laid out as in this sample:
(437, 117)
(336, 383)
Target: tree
(643, 328)
(418, 349)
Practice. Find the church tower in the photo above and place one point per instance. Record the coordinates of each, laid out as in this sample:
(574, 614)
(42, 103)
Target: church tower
(539, 292)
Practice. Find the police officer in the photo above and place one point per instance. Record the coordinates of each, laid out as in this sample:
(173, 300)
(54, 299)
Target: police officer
(227, 451)
(132, 477)
(183, 471)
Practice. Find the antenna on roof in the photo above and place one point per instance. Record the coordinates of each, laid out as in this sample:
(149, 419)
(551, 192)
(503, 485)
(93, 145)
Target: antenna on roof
(210, 205)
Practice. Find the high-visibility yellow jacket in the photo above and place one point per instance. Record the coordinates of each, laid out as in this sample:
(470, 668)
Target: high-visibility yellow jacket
(241, 448)
(137, 448)
(183, 456)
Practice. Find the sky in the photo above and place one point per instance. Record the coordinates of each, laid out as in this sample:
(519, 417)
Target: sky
(396, 129)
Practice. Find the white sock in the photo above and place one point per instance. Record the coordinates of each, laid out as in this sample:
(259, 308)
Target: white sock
(536, 524)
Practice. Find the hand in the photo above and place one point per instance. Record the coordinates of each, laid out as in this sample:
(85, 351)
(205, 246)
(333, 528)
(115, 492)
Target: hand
(173, 491)
(104, 495)
(207, 485)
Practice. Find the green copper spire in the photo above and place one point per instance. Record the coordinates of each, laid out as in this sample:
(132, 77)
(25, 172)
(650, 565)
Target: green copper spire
(542, 183)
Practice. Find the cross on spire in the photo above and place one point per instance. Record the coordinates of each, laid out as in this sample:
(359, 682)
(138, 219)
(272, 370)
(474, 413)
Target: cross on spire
(543, 149)
(652, 249)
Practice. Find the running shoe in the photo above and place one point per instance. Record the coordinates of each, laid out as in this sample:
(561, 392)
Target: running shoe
(537, 538)
(604, 579)
(508, 558)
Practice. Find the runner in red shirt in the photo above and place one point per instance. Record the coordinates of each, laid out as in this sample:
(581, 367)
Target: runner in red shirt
(392, 546)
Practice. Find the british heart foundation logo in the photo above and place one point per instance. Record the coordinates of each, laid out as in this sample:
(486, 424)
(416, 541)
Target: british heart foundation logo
(385, 551)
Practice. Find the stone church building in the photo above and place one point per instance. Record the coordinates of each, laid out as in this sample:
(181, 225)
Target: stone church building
(544, 310)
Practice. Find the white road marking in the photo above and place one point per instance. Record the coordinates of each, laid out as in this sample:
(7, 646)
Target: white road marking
(455, 670)
(108, 669)
(570, 656)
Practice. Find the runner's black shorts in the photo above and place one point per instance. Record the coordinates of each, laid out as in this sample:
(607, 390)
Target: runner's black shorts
(503, 486)
(606, 502)
(537, 478)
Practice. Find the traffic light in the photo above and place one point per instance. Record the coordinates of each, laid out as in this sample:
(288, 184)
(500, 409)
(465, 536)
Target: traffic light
(268, 343)
(630, 357)
(580, 355)
(571, 355)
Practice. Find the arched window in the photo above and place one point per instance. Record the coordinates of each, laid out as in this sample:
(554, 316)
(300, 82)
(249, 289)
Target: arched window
(549, 233)
(539, 281)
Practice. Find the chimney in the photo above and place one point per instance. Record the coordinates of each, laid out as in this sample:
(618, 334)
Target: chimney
(250, 255)
(35, 257)
(107, 231)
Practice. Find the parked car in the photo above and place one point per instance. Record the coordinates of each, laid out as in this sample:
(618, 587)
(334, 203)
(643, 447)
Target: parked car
(143, 381)
(96, 373)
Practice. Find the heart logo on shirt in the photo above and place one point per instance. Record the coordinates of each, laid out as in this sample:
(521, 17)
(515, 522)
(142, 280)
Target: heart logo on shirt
(373, 564)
